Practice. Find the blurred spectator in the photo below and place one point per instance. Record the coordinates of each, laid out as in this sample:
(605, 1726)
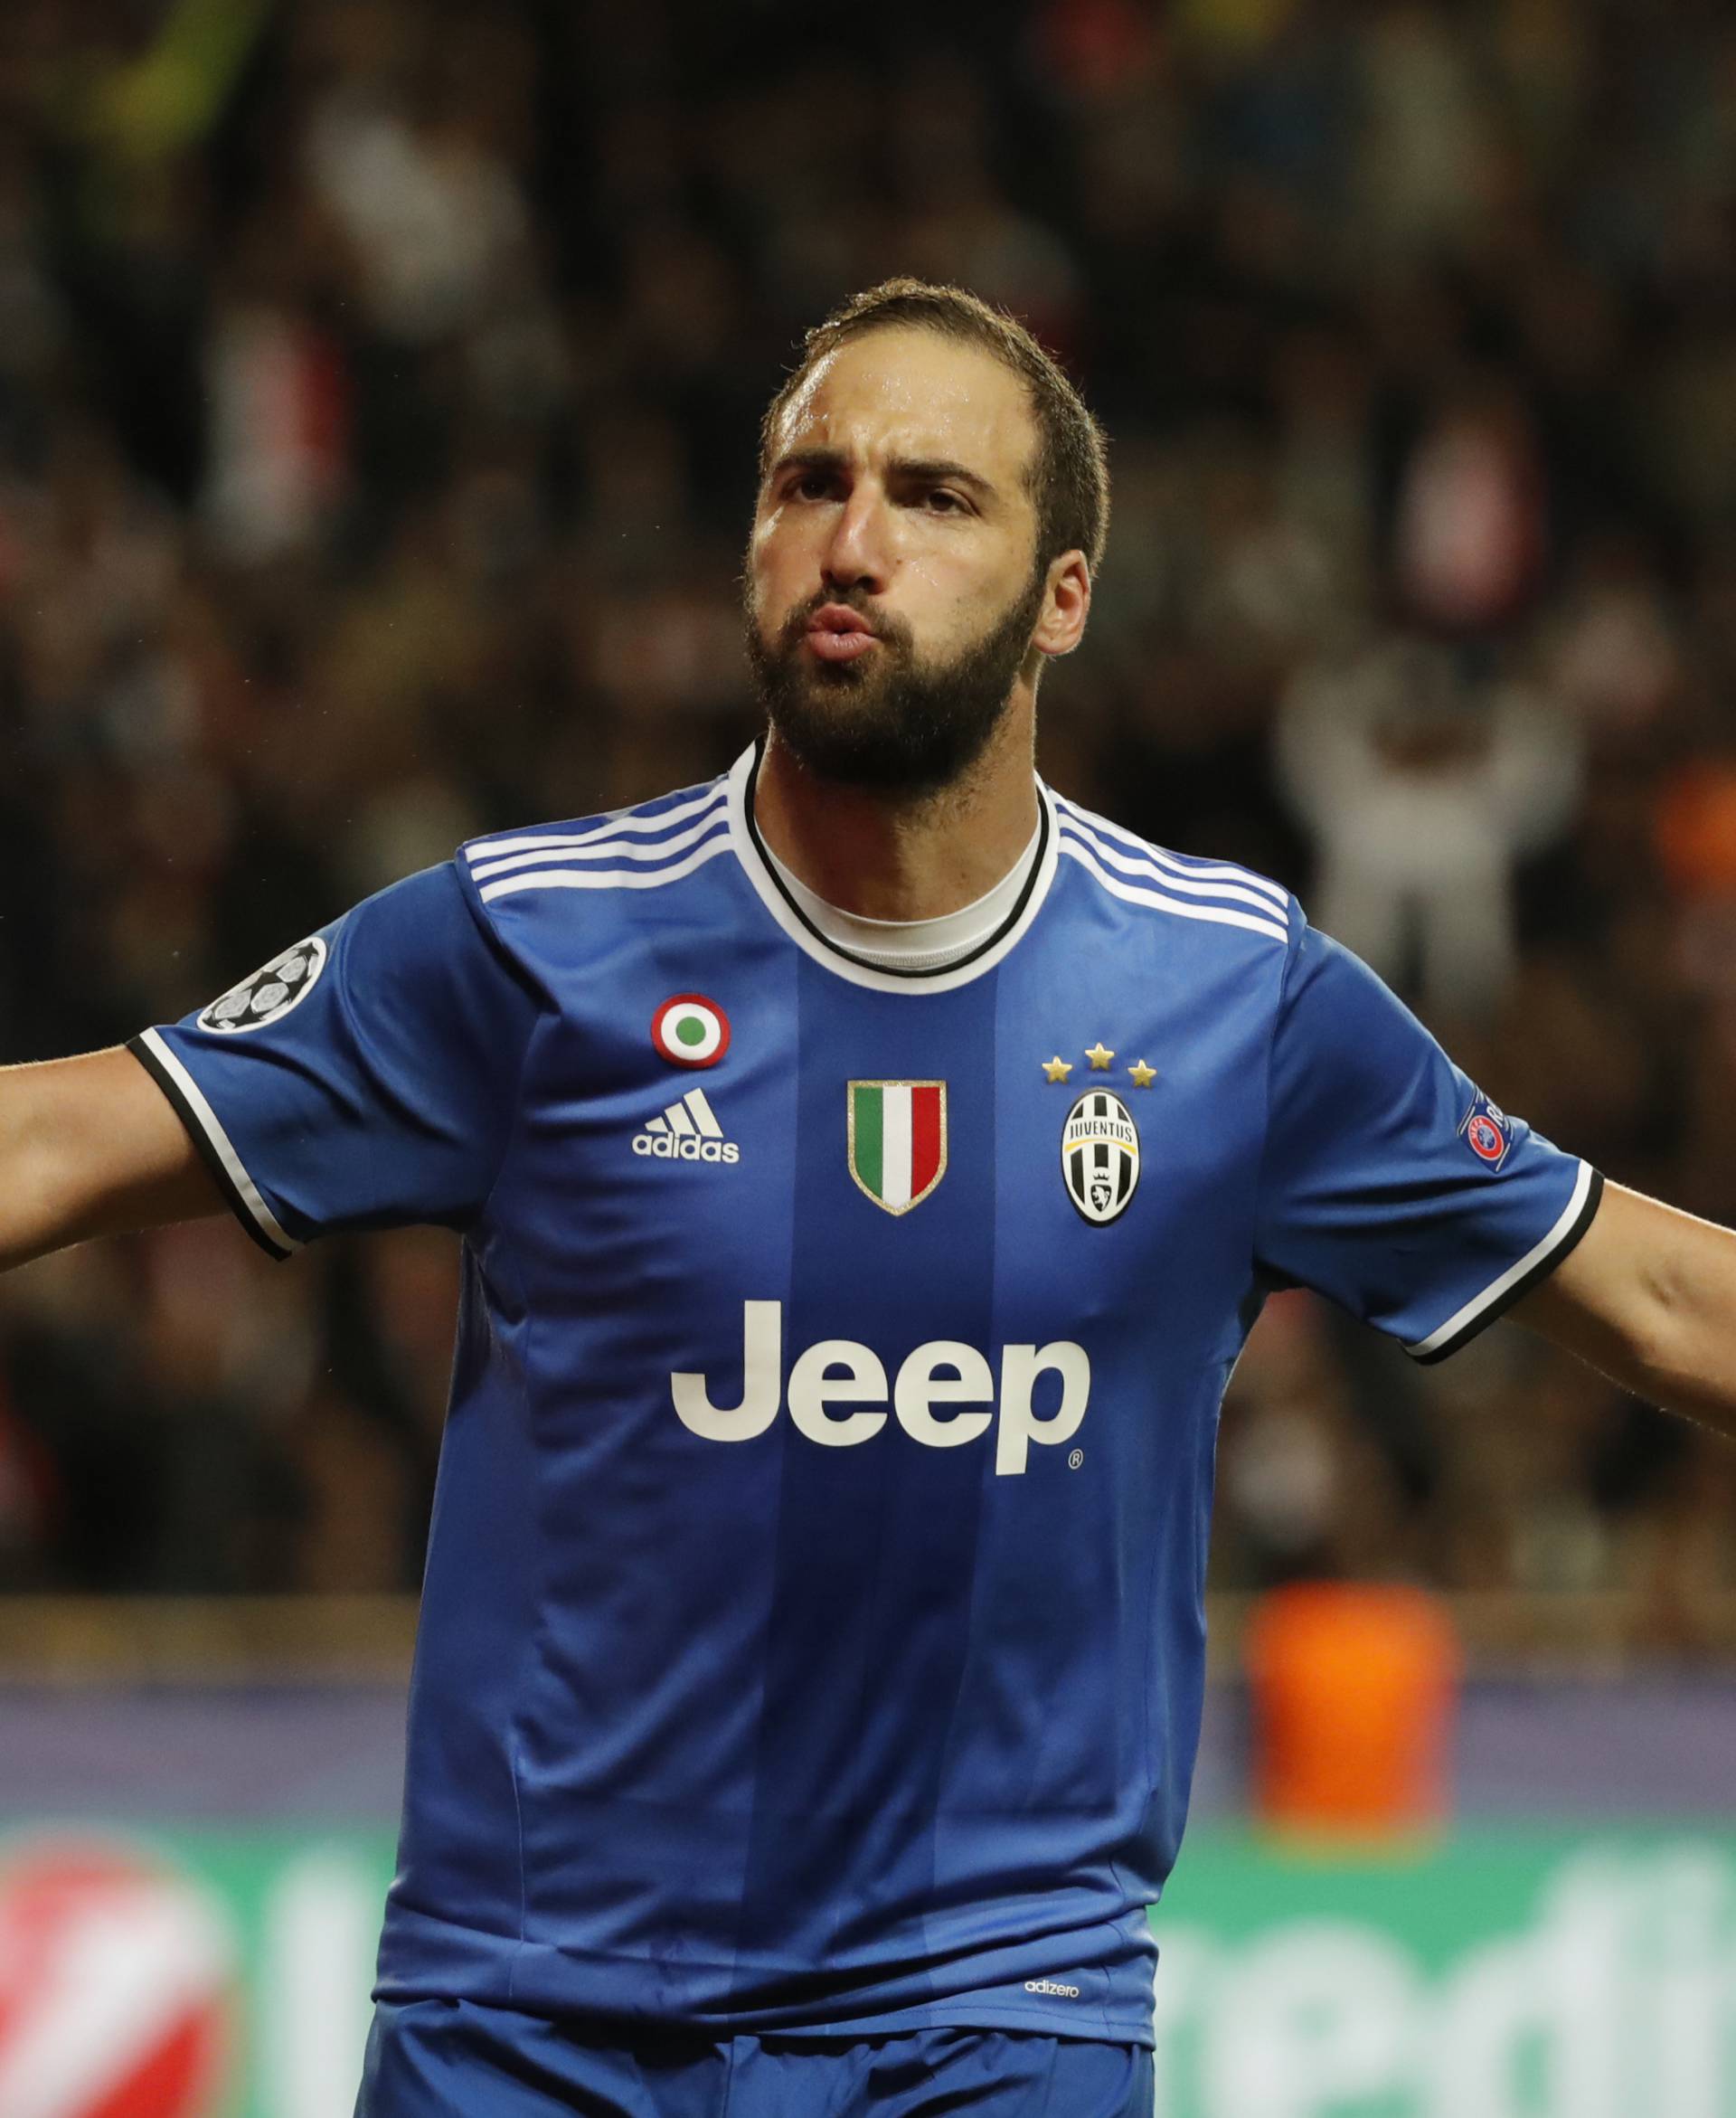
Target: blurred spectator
(1422, 796)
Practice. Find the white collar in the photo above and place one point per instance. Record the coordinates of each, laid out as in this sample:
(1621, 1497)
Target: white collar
(896, 956)
(915, 944)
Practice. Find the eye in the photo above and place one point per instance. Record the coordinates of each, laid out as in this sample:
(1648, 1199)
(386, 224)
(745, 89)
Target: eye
(942, 500)
(811, 485)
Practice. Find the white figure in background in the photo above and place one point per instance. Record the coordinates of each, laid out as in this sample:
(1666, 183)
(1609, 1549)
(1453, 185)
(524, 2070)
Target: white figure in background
(1421, 797)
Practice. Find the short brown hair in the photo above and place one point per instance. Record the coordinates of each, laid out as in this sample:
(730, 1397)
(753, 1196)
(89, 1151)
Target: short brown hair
(1070, 474)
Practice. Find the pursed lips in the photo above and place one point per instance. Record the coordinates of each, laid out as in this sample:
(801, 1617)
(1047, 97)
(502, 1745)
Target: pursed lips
(836, 633)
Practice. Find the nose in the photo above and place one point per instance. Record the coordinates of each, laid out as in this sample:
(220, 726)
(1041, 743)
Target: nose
(858, 553)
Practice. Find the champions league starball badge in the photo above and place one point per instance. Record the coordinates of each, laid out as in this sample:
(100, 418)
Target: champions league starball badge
(269, 994)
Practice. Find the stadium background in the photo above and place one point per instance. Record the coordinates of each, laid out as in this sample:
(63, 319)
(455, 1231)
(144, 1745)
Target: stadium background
(377, 391)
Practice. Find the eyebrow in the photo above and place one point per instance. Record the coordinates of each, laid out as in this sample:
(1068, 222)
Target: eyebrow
(919, 469)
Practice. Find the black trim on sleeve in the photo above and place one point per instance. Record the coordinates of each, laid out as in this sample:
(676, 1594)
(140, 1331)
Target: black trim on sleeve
(1541, 1270)
(208, 1149)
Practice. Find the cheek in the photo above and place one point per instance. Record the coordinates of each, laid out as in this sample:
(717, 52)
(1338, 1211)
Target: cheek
(950, 595)
(944, 579)
(767, 569)
(781, 557)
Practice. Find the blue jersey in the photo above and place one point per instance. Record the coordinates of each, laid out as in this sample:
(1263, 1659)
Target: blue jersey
(813, 1633)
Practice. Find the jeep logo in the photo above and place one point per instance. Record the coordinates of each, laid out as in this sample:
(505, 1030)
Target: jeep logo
(839, 1372)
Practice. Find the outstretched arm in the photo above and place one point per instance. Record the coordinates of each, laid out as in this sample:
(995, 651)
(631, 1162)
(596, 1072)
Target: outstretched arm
(91, 1146)
(1648, 1296)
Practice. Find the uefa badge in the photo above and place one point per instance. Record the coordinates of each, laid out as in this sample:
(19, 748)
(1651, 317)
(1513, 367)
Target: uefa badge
(1099, 1155)
(690, 1031)
(1487, 1132)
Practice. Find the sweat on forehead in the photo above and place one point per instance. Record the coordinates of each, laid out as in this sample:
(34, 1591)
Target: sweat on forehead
(907, 393)
(1066, 469)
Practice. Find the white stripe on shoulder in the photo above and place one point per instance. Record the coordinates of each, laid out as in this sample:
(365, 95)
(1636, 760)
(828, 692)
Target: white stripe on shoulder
(607, 878)
(621, 823)
(1219, 914)
(1169, 878)
(1174, 864)
(554, 849)
(213, 1128)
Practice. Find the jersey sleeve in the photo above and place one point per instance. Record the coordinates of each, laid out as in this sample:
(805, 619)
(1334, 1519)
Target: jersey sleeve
(366, 1077)
(1390, 1182)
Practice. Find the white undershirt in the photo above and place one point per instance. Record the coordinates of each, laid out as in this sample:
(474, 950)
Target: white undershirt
(915, 944)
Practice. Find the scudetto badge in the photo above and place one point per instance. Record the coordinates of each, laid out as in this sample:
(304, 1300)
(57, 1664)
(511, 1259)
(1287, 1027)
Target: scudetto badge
(896, 1135)
(269, 994)
(1099, 1155)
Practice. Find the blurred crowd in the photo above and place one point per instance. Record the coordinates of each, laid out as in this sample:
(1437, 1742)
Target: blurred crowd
(378, 391)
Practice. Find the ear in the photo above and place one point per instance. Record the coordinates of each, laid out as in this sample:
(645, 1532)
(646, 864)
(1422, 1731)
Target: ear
(1066, 605)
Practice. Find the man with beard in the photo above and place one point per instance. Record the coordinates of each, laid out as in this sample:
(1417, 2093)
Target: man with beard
(869, 1167)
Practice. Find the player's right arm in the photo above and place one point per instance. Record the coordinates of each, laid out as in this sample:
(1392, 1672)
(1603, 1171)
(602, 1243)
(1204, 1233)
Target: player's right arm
(366, 1077)
(89, 1146)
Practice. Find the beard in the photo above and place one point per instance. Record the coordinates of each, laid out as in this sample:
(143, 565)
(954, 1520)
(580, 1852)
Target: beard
(890, 722)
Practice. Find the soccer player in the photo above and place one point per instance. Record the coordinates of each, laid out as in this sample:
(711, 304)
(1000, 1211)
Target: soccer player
(869, 1166)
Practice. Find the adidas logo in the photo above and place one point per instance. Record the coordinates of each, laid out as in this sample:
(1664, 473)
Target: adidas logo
(688, 1131)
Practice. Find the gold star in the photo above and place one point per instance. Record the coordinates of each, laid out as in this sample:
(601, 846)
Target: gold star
(1142, 1076)
(1099, 1057)
(1057, 1068)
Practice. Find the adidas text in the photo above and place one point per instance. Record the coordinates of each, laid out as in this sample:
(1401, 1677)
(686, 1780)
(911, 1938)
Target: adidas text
(668, 1149)
(945, 1374)
(1048, 1985)
(687, 1132)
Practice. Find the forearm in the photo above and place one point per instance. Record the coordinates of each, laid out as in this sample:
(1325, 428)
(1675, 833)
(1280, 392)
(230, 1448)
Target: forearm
(89, 1146)
(1690, 1363)
(1649, 1297)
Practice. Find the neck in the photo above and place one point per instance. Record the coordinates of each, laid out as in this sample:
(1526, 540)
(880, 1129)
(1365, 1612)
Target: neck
(895, 858)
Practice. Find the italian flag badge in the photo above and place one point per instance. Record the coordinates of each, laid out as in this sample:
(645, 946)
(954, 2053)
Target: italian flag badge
(897, 1140)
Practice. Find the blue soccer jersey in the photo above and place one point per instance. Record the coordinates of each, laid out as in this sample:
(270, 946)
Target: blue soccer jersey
(813, 1632)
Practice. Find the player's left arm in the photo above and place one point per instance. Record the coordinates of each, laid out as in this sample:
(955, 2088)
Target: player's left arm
(1648, 1296)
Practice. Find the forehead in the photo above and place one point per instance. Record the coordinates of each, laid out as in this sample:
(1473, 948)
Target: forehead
(914, 394)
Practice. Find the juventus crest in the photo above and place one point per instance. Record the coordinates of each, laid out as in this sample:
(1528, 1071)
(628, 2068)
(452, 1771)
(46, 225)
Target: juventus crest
(1099, 1155)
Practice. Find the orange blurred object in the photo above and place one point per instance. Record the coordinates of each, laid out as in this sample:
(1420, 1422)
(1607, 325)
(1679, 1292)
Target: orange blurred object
(1695, 825)
(1355, 1687)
